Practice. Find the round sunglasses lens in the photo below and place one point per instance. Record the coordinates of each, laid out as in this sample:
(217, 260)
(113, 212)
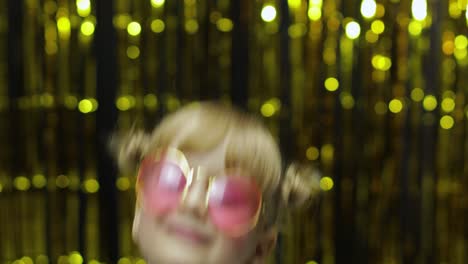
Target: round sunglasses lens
(163, 183)
(234, 203)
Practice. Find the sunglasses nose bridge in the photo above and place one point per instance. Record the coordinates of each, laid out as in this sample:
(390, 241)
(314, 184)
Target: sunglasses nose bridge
(196, 192)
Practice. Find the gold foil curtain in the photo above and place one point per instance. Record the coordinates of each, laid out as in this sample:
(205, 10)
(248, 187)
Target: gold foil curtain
(372, 91)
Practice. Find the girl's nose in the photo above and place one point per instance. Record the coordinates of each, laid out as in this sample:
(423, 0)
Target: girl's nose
(195, 198)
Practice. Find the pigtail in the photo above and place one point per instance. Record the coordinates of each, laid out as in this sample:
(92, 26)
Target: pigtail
(129, 148)
(301, 186)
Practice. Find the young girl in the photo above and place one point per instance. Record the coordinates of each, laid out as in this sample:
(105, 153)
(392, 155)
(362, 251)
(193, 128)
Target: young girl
(209, 187)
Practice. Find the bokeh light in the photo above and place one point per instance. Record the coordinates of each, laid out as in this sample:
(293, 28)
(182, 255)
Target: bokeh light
(83, 7)
(157, 3)
(353, 30)
(157, 26)
(447, 122)
(378, 27)
(326, 183)
(134, 28)
(368, 8)
(395, 106)
(429, 103)
(331, 84)
(268, 13)
(87, 28)
(419, 9)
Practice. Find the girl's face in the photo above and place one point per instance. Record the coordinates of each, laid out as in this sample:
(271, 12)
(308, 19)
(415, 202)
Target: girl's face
(186, 233)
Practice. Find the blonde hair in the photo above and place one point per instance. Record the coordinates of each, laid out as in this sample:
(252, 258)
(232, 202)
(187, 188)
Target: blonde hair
(201, 127)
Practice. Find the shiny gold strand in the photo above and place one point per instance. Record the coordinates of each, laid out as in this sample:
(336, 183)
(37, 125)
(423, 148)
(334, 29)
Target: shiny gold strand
(6, 234)
(30, 202)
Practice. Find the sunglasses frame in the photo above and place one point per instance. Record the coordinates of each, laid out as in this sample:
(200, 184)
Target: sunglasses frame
(178, 158)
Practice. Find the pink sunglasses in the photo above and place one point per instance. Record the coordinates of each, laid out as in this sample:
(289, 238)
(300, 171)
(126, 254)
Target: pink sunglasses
(233, 200)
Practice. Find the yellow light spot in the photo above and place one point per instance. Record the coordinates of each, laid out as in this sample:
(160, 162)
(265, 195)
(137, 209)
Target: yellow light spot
(314, 13)
(91, 185)
(83, 7)
(368, 8)
(415, 28)
(347, 101)
(87, 28)
(395, 106)
(429, 102)
(75, 258)
(461, 42)
(70, 102)
(47, 100)
(21, 183)
(380, 11)
(215, 16)
(157, 26)
(417, 94)
(267, 110)
(371, 37)
(134, 28)
(63, 25)
(448, 47)
(121, 21)
(270, 107)
(297, 30)
(380, 108)
(140, 261)
(85, 106)
(39, 181)
(446, 122)
(123, 183)
(124, 103)
(191, 26)
(133, 52)
(454, 10)
(419, 9)
(378, 27)
(312, 153)
(93, 261)
(331, 84)
(311, 262)
(353, 30)
(326, 183)
(460, 54)
(124, 261)
(62, 181)
(42, 259)
(382, 63)
(294, 4)
(172, 103)
(447, 105)
(157, 3)
(27, 260)
(150, 101)
(268, 13)
(224, 24)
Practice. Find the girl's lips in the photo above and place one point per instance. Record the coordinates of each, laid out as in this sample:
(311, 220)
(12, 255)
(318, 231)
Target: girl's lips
(188, 233)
